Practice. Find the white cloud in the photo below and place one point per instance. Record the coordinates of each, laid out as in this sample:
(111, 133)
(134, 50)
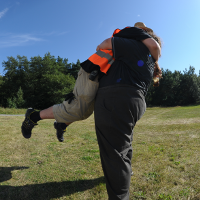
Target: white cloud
(53, 33)
(138, 15)
(26, 38)
(2, 13)
(10, 40)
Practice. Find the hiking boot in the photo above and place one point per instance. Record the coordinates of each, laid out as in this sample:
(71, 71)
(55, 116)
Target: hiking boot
(59, 131)
(28, 124)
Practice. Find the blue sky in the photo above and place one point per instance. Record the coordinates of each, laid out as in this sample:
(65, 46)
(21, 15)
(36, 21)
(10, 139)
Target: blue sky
(73, 29)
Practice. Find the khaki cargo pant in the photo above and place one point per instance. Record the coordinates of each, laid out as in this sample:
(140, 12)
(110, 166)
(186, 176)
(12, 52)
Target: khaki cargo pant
(83, 104)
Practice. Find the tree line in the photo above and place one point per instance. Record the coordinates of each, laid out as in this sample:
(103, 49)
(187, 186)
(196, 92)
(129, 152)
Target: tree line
(176, 89)
(44, 81)
(39, 82)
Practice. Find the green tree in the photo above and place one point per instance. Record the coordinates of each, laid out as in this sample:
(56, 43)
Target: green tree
(75, 69)
(20, 102)
(1, 91)
(39, 83)
(175, 89)
(16, 101)
(189, 90)
(11, 103)
(48, 82)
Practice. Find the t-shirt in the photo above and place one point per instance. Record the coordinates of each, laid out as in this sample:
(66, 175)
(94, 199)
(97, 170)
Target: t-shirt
(129, 33)
(132, 33)
(133, 65)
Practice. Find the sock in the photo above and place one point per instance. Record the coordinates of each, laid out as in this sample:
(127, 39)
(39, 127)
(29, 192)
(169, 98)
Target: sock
(35, 116)
(63, 126)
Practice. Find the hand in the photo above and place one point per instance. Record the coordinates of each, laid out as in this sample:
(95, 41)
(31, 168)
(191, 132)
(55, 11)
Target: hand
(106, 44)
(97, 48)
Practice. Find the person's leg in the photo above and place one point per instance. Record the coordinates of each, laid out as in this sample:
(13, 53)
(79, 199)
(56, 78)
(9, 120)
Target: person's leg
(32, 117)
(47, 113)
(60, 130)
(78, 105)
(82, 104)
(116, 112)
(60, 127)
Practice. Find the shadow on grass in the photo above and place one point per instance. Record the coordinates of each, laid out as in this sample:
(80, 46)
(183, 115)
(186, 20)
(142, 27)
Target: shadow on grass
(5, 172)
(44, 191)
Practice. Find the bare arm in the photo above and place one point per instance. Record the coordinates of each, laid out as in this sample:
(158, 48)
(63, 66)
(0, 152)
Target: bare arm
(153, 47)
(106, 44)
(150, 43)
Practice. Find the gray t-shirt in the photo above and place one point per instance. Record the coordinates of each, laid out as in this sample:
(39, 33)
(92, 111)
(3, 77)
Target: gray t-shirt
(133, 65)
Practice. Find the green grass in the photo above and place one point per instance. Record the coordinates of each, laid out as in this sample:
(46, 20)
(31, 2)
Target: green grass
(12, 111)
(166, 159)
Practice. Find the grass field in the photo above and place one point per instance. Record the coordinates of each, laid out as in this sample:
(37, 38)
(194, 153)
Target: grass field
(166, 159)
(12, 111)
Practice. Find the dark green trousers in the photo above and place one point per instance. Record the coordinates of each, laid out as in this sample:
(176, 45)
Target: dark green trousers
(117, 109)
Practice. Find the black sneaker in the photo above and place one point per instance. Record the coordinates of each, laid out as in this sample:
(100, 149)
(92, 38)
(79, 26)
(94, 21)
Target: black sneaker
(28, 124)
(59, 131)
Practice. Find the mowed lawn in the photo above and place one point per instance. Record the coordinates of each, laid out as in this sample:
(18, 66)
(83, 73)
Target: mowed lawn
(166, 159)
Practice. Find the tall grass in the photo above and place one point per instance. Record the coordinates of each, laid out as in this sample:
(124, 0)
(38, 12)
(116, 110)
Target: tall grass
(12, 111)
(166, 159)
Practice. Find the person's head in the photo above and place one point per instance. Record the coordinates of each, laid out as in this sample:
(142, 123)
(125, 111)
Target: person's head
(142, 26)
(149, 31)
(157, 71)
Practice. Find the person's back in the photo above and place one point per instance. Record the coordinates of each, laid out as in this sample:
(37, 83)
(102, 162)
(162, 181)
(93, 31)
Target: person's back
(133, 65)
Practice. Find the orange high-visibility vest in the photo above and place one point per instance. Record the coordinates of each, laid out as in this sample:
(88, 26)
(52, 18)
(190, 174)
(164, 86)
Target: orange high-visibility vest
(104, 58)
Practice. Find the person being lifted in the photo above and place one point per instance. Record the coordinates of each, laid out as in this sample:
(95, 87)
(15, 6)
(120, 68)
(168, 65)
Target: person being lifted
(79, 104)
